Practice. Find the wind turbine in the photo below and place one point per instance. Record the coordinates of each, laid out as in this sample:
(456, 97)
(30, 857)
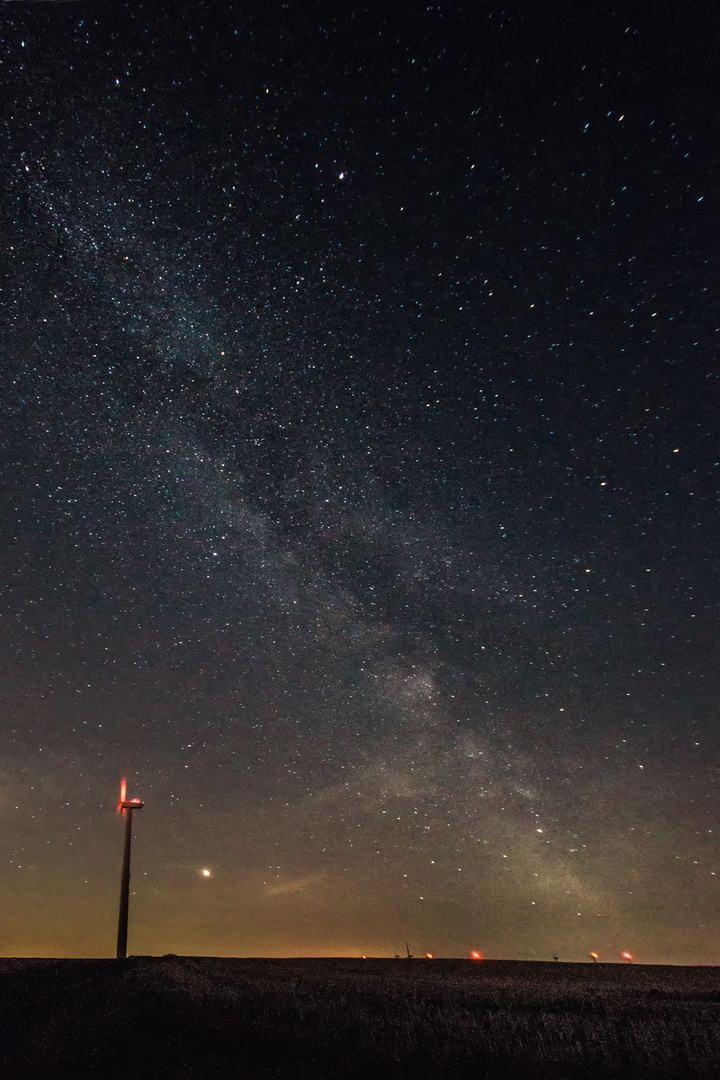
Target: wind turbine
(126, 807)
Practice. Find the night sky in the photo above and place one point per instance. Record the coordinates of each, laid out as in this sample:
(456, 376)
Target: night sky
(359, 459)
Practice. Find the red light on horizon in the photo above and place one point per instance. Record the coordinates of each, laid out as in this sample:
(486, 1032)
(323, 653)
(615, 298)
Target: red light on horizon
(475, 956)
(428, 956)
(594, 955)
(628, 956)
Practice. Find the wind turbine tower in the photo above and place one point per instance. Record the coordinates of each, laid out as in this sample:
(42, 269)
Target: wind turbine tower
(126, 807)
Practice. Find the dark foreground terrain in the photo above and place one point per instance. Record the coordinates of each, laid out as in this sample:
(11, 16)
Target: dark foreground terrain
(212, 1019)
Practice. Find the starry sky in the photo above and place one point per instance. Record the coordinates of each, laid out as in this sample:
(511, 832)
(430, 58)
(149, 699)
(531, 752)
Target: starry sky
(359, 402)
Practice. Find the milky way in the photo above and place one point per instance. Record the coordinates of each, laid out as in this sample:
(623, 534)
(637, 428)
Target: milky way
(359, 399)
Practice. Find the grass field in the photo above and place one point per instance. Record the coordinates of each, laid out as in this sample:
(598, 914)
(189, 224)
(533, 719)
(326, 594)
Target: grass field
(190, 1018)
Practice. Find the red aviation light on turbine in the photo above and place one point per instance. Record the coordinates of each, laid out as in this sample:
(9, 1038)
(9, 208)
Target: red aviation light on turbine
(628, 956)
(475, 956)
(125, 803)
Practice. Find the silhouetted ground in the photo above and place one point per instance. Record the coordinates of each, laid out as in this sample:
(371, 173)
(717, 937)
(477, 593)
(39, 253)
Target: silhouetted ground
(214, 1019)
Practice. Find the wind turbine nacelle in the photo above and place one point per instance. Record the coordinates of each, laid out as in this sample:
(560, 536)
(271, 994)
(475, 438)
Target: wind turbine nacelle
(132, 804)
(125, 803)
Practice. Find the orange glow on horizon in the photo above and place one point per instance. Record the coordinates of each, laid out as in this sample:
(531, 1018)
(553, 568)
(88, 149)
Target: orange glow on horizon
(628, 956)
(428, 956)
(475, 956)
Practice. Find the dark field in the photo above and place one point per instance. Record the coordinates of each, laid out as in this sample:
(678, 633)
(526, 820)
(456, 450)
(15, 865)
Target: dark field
(184, 1017)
